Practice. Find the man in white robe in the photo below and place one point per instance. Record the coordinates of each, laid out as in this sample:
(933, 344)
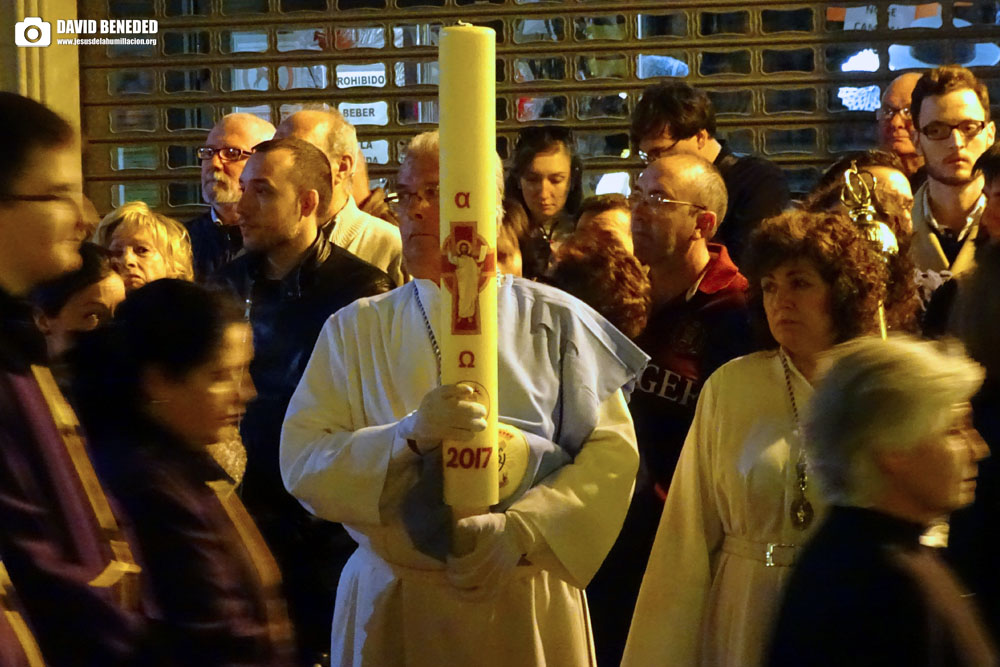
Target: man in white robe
(360, 446)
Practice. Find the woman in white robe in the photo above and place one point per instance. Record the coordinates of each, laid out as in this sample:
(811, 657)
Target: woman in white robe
(738, 507)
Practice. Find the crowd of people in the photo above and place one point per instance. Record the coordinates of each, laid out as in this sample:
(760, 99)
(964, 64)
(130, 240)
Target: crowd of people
(221, 438)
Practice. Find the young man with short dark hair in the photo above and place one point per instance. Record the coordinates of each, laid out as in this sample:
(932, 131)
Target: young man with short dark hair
(292, 279)
(675, 118)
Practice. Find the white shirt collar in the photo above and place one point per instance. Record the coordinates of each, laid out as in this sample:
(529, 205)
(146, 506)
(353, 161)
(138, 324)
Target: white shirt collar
(970, 220)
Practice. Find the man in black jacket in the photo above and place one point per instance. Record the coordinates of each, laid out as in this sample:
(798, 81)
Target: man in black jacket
(291, 279)
(676, 118)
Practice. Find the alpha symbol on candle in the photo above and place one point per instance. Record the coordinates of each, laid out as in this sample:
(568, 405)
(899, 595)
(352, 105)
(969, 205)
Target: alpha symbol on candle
(467, 264)
(466, 359)
(462, 199)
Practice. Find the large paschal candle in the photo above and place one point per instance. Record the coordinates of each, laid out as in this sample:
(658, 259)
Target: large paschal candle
(469, 205)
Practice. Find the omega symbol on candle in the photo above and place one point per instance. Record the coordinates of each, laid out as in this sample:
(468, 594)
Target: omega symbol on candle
(468, 263)
(466, 359)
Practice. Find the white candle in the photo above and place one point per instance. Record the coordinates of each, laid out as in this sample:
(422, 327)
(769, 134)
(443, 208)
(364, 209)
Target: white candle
(467, 100)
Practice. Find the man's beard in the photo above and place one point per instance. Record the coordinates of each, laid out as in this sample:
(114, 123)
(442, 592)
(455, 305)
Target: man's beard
(220, 191)
(945, 178)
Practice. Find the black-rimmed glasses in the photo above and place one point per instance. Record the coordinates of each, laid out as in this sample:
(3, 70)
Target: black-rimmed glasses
(937, 130)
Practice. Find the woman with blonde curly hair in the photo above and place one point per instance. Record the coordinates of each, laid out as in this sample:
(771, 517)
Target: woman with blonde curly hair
(144, 245)
(742, 499)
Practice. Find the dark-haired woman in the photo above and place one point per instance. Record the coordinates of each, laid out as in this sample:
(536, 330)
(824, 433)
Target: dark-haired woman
(154, 389)
(546, 177)
(741, 500)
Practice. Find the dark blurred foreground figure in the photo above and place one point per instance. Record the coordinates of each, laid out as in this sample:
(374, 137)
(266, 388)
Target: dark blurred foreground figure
(891, 442)
(974, 540)
(59, 538)
(154, 390)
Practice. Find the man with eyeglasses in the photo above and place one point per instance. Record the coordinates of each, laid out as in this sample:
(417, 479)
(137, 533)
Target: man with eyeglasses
(895, 125)
(215, 236)
(59, 539)
(673, 118)
(951, 109)
(698, 321)
(372, 239)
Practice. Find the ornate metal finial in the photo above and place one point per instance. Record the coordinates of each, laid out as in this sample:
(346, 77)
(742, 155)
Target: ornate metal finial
(858, 196)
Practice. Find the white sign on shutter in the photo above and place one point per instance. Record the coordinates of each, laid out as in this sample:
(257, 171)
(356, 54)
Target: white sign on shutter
(372, 113)
(355, 75)
(375, 152)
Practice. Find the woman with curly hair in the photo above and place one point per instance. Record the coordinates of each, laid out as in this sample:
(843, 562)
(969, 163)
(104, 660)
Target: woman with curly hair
(742, 500)
(597, 269)
(144, 245)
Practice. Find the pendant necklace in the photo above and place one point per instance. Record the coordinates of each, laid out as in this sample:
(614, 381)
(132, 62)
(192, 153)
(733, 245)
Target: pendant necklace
(430, 333)
(801, 511)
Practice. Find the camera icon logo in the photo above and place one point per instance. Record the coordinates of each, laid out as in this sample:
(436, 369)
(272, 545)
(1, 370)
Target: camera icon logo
(32, 31)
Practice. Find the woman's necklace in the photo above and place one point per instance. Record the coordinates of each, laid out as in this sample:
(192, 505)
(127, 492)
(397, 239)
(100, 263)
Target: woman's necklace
(801, 511)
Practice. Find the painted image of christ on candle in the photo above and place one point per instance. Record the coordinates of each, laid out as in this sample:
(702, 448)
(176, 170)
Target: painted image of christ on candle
(468, 264)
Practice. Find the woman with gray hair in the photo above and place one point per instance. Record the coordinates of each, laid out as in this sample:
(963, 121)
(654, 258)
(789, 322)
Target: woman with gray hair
(891, 443)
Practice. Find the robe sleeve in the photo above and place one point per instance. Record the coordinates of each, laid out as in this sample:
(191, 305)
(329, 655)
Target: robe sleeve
(340, 468)
(574, 515)
(666, 625)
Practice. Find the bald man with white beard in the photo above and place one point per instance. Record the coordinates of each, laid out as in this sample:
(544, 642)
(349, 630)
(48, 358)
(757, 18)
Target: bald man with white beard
(372, 239)
(215, 236)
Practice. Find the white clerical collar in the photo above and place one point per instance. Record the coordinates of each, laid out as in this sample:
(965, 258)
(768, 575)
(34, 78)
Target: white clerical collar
(970, 220)
(215, 216)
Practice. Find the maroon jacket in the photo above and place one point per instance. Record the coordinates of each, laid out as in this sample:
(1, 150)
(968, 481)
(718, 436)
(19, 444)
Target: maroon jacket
(686, 339)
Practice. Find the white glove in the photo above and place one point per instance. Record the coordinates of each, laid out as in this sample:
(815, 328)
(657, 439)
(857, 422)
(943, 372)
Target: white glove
(445, 413)
(484, 571)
